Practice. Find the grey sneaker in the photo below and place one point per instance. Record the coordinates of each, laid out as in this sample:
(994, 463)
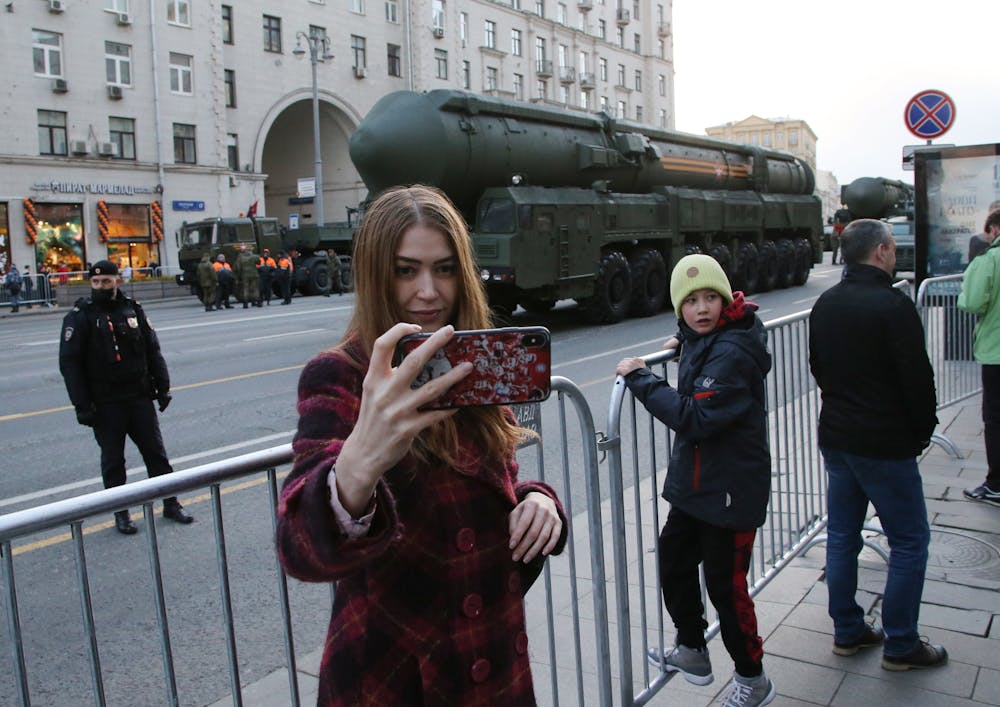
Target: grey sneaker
(692, 663)
(983, 493)
(749, 692)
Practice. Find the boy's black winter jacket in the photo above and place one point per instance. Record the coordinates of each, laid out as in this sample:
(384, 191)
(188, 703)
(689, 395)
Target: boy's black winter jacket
(720, 466)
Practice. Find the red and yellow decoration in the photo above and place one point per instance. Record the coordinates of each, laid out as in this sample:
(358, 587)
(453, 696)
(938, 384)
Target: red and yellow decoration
(157, 216)
(30, 222)
(103, 221)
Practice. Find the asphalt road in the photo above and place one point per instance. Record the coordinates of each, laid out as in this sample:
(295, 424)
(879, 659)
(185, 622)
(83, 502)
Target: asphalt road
(234, 377)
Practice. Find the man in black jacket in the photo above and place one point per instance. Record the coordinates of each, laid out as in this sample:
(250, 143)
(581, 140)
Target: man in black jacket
(110, 359)
(866, 350)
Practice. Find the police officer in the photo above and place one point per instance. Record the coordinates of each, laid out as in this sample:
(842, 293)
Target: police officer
(110, 359)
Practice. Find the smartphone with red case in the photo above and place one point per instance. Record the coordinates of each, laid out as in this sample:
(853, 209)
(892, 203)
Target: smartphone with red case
(510, 365)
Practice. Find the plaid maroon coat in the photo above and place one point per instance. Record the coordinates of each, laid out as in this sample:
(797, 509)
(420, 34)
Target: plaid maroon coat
(429, 605)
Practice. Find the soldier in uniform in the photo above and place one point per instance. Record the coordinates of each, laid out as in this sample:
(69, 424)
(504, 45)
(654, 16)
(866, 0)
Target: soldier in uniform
(208, 281)
(333, 267)
(265, 270)
(110, 359)
(247, 279)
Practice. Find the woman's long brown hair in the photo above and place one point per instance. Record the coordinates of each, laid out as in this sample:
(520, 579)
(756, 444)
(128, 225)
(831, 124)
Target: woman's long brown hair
(376, 243)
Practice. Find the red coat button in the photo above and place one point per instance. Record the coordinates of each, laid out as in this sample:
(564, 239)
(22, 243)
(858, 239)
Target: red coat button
(466, 539)
(521, 643)
(480, 670)
(514, 583)
(472, 606)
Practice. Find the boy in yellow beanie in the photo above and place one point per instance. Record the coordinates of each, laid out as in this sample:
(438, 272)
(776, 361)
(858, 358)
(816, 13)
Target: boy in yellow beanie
(719, 478)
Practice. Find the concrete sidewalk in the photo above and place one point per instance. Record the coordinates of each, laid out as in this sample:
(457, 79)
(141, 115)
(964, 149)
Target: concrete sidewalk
(961, 610)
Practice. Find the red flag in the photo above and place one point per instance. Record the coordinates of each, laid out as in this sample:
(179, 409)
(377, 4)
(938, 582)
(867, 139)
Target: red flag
(252, 211)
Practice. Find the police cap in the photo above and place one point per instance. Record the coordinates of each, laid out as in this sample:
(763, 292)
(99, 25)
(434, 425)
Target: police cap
(103, 267)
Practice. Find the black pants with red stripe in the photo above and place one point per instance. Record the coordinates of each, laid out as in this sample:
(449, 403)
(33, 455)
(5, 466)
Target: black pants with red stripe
(685, 542)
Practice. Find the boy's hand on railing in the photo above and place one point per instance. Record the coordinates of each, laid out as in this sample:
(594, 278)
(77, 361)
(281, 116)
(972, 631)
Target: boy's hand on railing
(627, 365)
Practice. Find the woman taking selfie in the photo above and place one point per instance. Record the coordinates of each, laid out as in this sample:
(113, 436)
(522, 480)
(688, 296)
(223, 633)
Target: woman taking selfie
(417, 514)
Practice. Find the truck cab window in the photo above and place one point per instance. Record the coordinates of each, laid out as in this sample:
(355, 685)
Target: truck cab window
(496, 216)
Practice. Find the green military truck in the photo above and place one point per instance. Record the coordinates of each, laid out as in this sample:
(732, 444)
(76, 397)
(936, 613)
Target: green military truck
(307, 246)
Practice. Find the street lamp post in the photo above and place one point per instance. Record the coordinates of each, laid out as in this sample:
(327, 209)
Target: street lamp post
(319, 50)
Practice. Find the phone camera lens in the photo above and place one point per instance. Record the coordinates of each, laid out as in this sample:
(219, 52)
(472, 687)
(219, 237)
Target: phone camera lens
(533, 340)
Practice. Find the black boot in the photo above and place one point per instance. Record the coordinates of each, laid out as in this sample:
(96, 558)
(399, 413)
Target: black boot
(208, 308)
(173, 510)
(124, 524)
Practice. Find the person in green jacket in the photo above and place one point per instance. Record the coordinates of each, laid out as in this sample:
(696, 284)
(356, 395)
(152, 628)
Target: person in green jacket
(208, 281)
(247, 278)
(981, 296)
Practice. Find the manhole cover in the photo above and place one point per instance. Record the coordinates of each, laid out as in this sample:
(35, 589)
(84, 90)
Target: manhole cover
(955, 551)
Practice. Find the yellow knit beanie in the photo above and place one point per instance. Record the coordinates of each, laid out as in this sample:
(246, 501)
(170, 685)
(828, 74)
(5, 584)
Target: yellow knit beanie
(697, 272)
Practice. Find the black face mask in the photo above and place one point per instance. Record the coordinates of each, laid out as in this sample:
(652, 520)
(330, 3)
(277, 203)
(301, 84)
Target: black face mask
(102, 296)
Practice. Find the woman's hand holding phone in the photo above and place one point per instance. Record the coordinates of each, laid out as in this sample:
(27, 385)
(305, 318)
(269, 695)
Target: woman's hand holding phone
(390, 416)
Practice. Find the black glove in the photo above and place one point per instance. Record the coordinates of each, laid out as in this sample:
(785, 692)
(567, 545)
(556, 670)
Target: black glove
(164, 400)
(86, 415)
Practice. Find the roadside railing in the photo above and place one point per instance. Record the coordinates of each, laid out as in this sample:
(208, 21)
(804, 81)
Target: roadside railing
(36, 291)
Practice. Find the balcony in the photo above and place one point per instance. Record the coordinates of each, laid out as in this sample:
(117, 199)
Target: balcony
(587, 82)
(623, 17)
(543, 67)
(567, 74)
(584, 5)
(663, 29)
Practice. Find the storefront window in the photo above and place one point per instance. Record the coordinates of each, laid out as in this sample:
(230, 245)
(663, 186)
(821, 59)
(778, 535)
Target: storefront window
(129, 242)
(4, 239)
(60, 237)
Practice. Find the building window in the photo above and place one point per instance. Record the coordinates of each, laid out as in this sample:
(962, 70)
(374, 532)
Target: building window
(604, 104)
(181, 74)
(466, 75)
(441, 63)
(179, 12)
(359, 53)
(118, 63)
(661, 84)
(638, 114)
(515, 42)
(638, 80)
(184, 145)
(753, 138)
(779, 137)
(620, 37)
(585, 100)
(393, 61)
(227, 24)
(564, 94)
(392, 11)
(272, 34)
(542, 89)
(490, 28)
(437, 14)
(561, 14)
(540, 11)
(318, 33)
(661, 49)
(583, 63)
(122, 132)
(563, 52)
(602, 29)
(663, 118)
(637, 43)
(602, 64)
(116, 5)
(229, 76)
(492, 78)
(516, 4)
(622, 110)
(767, 139)
(46, 49)
(519, 87)
(793, 138)
(51, 132)
(540, 50)
(621, 75)
(233, 151)
(358, 6)
(463, 27)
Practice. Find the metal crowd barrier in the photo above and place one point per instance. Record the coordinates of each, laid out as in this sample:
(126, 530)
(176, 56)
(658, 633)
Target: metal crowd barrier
(555, 620)
(638, 448)
(39, 293)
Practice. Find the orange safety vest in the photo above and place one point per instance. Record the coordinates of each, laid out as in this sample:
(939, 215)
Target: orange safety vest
(268, 261)
(217, 266)
(286, 264)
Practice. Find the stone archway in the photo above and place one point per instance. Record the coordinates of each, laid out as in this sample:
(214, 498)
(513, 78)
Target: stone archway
(288, 156)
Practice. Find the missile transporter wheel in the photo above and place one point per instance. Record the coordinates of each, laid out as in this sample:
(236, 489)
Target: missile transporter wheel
(749, 271)
(612, 291)
(722, 253)
(803, 261)
(786, 262)
(767, 266)
(319, 279)
(649, 282)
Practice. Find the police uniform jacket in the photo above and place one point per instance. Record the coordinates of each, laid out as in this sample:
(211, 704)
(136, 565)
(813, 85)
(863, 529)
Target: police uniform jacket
(110, 353)
(720, 464)
(429, 604)
(867, 353)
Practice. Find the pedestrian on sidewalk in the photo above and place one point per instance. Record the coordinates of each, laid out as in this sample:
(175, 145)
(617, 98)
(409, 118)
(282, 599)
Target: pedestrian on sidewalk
(418, 515)
(981, 296)
(110, 359)
(867, 353)
(719, 478)
(12, 282)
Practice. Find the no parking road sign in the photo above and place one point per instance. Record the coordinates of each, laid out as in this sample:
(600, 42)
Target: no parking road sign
(929, 114)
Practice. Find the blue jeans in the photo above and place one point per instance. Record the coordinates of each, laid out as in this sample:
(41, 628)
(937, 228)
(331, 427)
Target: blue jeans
(895, 489)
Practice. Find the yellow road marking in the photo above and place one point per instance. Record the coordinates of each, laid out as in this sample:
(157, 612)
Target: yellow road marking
(229, 379)
(104, 525)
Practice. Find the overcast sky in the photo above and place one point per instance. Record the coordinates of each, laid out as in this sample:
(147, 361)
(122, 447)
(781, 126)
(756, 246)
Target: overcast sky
(848, 68)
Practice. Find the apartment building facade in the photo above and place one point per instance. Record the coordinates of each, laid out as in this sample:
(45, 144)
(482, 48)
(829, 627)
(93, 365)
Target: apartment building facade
(127, 117)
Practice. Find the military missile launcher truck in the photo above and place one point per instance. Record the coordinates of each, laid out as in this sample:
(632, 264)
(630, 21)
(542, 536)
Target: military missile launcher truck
(889, 200)
(307, 245)
(571, 205)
